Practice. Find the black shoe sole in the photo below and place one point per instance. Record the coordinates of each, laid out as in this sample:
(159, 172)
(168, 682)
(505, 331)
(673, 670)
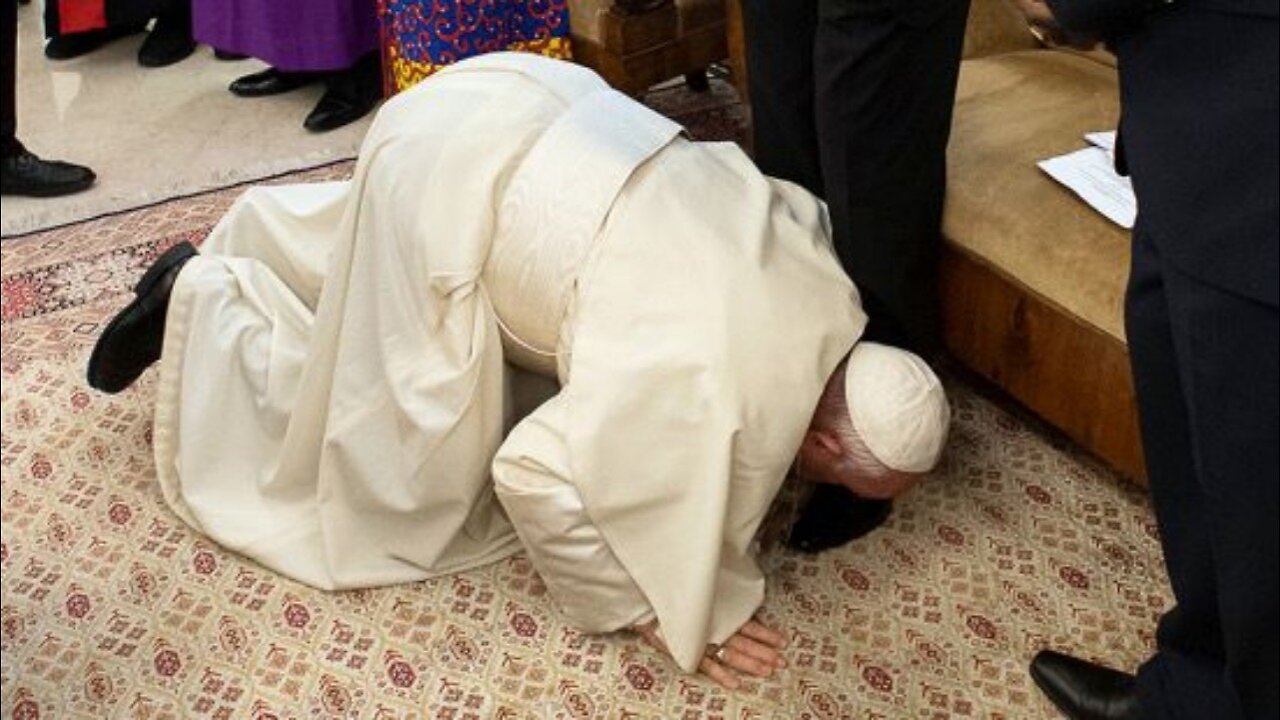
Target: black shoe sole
(319, 121)
(175, 255)
(96, 375)
(159, 60)
(48, 191)
(268, 93)
(278, 89)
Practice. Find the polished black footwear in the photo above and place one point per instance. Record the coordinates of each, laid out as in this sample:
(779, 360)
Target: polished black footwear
(170, 39)
(335, 110)
(349, 95)
(26, 174)
(133, 339)
(73, 45)
(1083, 690)
(270, 82)
(834, 516)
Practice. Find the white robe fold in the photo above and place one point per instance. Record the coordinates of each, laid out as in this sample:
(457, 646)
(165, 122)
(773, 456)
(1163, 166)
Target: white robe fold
(333, 390)
(708, 321)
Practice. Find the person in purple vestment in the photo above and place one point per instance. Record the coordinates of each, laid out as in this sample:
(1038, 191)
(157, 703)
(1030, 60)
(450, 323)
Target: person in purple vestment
(304, 42)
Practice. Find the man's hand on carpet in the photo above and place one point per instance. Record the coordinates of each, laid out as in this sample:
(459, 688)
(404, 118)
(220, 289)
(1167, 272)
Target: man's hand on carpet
(756, 649)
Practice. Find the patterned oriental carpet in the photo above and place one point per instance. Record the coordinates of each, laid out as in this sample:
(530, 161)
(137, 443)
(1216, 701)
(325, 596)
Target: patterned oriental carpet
(113, 608)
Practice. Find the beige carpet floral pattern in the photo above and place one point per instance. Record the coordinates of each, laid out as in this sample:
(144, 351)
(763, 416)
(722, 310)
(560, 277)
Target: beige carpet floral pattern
(113, 608)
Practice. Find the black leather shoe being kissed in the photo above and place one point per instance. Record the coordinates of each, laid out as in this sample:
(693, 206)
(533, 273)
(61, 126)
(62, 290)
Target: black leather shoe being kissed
(834, 516)
(133, 339)
(1083, 690)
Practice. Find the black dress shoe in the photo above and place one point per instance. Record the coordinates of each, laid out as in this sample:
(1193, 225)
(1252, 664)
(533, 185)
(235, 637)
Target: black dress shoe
(269, 82)
(349, 95)
(26, 174)
(834, 516)
(73, 45)
(134, 338)
(335, 110)
(1083, 690)
(170, 39)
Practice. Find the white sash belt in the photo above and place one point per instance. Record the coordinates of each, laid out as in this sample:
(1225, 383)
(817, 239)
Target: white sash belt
(554, 207)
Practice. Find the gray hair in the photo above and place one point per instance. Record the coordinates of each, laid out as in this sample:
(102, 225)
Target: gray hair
(832, 416)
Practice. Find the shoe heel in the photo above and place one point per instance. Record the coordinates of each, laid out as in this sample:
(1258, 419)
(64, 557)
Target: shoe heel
(175, 255)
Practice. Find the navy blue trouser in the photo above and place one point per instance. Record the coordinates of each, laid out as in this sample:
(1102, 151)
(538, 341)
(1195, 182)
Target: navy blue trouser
(1205, 369)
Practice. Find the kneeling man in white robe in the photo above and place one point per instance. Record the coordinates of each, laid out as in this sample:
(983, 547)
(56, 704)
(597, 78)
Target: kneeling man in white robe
(334, 394)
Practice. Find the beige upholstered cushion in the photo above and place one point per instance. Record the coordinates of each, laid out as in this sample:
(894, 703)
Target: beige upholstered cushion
(996, 26)
(1011, 111)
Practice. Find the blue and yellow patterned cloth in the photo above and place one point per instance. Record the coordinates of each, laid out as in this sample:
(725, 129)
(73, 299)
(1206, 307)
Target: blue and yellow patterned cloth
(420, 37)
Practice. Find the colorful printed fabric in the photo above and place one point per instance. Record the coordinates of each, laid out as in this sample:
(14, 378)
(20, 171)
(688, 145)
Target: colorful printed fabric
(420, 37)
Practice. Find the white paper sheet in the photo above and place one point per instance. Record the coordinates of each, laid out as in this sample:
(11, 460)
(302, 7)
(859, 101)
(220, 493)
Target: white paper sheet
(1090, 173)
(1105, 140)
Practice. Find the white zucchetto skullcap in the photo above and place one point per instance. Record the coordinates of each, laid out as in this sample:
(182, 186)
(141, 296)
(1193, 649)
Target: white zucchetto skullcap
(897, 406)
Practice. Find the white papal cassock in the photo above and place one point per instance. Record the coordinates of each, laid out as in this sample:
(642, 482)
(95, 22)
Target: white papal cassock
(333, 395)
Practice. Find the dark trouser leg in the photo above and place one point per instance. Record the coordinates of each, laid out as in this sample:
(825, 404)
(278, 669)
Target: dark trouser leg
(170, 39)
(20, 172)
(8, 114)
(117, 13)
(780, 35)
(50, 18)
(885, 90)
(1205, 370)
(349, 95)
(780, 45)
(139, 12)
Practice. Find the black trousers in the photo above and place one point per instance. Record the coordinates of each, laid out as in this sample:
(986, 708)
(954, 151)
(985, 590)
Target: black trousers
(8, 94)
(118, 13)
(1205, 367)
(853, 101)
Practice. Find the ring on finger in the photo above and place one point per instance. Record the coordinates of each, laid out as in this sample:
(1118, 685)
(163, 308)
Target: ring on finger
(720, 652)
